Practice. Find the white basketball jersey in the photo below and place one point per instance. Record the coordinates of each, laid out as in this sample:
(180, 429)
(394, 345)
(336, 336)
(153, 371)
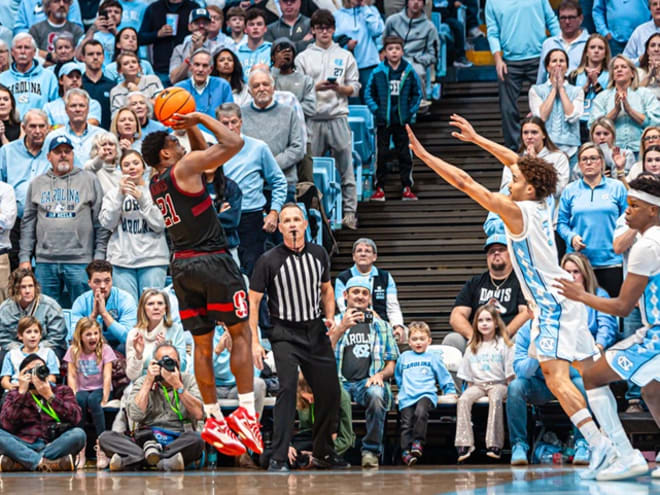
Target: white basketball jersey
(534, 258)
(644, 260)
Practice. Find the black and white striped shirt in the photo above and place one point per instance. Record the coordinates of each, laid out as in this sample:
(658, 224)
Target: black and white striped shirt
(292, 281)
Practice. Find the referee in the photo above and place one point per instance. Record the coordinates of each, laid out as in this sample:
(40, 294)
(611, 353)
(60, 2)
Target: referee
(296, 277)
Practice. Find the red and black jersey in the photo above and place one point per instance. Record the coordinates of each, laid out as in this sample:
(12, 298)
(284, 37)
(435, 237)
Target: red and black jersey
(190, 218)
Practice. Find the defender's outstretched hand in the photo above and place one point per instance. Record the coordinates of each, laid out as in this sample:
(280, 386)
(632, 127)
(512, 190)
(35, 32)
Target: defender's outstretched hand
(570, 289)
(466, 131)
(415, 145)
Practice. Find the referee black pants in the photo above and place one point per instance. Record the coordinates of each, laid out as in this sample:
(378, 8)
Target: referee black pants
(309, 347)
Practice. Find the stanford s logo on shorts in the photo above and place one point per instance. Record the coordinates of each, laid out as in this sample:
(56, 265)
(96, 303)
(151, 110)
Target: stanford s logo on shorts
(240, 304)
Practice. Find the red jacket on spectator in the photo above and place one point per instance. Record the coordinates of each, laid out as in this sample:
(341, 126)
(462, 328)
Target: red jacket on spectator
(21, 416)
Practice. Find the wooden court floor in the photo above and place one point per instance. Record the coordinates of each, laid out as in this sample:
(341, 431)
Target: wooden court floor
(469, 480)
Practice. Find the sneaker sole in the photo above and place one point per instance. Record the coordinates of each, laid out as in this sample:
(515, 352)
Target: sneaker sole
(412, 461)
(245, 436)
(493, 455)
(632, 472)
(380, 200)
(520, 462)
(656, 473)
(229, 450)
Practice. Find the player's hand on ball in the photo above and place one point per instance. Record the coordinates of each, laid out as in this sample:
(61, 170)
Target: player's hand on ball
(185, 121)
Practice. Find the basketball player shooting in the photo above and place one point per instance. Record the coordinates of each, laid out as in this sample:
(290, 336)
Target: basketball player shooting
(207, 282)
(559, 334)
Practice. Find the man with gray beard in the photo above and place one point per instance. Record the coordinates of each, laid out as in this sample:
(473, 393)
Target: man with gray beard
(60, 224)
(44, 32)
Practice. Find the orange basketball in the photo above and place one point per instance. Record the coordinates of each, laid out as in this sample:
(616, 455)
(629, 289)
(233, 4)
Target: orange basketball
(170, 101)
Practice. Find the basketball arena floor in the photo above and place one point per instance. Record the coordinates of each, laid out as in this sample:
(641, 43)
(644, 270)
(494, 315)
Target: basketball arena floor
(468, 480)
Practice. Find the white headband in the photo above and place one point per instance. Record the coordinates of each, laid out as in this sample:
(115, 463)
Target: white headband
(644, 196)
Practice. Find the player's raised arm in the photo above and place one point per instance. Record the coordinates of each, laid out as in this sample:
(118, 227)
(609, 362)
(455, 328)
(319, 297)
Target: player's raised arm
(214, 156)
(461, 180)
(467, 133)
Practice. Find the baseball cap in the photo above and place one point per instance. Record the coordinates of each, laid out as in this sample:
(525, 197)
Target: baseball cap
(68, 68)
(59, 140)
(358, 282)
(199, 14)
(495, 239)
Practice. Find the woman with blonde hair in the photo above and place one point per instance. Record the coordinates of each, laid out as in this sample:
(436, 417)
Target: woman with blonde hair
(126, 127)
(631, 107)
(603, 327)
(591, 75)
(617, 161)
(154, 325)
(104, 160)
(650, 137)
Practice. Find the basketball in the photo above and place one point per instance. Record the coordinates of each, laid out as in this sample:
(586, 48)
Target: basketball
(170, 101)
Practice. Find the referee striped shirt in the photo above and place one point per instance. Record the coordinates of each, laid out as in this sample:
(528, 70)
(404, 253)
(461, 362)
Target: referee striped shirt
(292, 281)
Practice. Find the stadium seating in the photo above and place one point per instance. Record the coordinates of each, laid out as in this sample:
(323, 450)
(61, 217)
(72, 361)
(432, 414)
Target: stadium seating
(328, 182)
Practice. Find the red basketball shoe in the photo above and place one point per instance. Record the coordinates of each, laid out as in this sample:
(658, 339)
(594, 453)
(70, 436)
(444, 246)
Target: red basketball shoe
(246, 427)
(217, 433)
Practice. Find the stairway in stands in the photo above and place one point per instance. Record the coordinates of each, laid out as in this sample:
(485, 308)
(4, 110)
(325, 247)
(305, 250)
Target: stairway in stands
(432, 246)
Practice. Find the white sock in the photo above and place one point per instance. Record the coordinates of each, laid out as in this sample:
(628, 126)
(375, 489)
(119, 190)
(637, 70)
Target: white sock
(213, 410)
(591, 433)
(247, 401)
(603, 405)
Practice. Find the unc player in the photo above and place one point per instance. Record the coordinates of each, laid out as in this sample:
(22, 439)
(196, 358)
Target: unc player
(560, 337)
(636, 358)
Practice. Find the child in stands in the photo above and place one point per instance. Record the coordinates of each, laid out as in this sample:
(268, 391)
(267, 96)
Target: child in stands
(487, 367)
(89, 375)
(29, 332)
(393, 94)
(418, 372)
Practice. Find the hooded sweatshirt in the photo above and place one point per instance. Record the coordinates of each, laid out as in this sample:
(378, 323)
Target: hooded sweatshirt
(420, 38)
(365, 25)
(32, 89)
(60, 221)
(138, 230)
(320, 63)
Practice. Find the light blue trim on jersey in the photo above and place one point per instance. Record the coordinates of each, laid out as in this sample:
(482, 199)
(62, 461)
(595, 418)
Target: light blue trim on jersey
(549, 310)
(651, 302)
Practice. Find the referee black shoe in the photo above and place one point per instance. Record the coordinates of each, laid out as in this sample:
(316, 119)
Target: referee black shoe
(330, 461)
(275, 466)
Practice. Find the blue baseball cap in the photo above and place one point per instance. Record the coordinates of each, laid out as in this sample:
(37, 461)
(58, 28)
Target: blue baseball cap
(70, 67)
(495, 239)
(58, 141)
(199, 14)
(358, 282)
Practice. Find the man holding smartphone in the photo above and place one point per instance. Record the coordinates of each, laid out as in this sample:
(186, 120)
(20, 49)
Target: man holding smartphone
(336, 77)
(366, 353)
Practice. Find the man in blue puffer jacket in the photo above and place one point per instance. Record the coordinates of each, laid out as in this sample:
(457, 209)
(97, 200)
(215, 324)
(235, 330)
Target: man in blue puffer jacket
(393, 94)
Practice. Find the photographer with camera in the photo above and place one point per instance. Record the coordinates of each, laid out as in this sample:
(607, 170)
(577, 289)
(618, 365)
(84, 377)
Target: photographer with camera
(37, 421)
(366, 353)
(167, 408)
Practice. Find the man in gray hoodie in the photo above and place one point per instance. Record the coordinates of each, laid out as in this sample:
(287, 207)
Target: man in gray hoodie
(421, 42)
(60, 224)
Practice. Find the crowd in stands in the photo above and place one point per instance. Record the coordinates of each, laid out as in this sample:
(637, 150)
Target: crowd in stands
(88, 325)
